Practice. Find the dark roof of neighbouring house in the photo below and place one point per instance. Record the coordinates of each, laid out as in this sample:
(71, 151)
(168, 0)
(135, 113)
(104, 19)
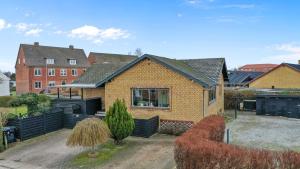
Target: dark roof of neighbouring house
(111, 58)
(295, 66)
(35, 55)
(97, 72)
(203, 71)
(242, 77)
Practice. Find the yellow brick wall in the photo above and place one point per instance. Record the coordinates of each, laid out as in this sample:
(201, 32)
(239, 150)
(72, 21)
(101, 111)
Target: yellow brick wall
(92, 93)
(217, 106)
(186, 97)
(282, 77)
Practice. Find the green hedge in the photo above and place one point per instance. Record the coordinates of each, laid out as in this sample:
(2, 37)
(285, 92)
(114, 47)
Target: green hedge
(5, 101)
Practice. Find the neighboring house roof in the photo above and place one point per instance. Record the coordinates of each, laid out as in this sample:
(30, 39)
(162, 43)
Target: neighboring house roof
(111, 58)
(35, 55)
(260, 67)
(242, 77)
(295, 67)
(203, 71)
(3, 77)
(98, 72)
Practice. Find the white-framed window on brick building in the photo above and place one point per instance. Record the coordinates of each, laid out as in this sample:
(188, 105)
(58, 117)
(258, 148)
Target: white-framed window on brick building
(50, 61)
(51, 83)
(51, 72)
(150, 97)
(72, 61)
(63, 72)
(37, 85)
(74, 72)
(37, 72)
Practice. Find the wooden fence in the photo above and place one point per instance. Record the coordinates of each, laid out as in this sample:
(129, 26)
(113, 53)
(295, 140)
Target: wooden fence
(38, 125)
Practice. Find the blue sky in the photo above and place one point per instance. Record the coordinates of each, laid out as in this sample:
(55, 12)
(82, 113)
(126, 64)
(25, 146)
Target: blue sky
(242, 31)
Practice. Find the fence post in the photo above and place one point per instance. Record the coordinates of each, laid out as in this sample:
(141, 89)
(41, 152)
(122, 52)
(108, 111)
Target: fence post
(44, 122)
(20, 129)
(236, 106)
(227, 136)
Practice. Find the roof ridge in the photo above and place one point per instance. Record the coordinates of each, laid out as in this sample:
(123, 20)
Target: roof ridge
(22, 44)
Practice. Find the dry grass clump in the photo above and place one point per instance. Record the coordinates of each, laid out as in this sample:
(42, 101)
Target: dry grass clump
(89, 133)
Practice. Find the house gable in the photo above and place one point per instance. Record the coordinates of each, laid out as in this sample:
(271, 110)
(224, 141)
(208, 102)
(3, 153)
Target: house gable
(283, 76)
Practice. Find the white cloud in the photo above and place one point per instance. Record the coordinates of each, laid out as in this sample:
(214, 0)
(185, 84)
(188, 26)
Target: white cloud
(290, 53)
(4, 24)
(240, 6)
(98, 35)
(179, 15)
(33, 32)
(23, 26)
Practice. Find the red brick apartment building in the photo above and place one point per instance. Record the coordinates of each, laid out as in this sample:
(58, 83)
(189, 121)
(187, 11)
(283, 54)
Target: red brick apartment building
(38, 67)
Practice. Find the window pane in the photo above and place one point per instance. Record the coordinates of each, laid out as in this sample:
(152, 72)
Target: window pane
(163, 98)
(153, 98)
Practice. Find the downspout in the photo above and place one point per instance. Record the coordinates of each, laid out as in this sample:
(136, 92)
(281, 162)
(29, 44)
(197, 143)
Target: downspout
(203, 103)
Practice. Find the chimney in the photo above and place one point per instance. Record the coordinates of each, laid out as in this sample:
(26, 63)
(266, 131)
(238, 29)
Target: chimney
(71, 46)
(36, 43)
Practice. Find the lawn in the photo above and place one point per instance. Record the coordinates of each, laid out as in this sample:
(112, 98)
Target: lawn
(105, 152)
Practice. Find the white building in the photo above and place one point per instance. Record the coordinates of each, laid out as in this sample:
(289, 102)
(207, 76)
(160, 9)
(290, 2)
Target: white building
(4, 85)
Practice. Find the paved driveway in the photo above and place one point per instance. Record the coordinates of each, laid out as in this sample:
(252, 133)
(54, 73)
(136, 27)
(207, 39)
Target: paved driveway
(270, 132)
(50, 151)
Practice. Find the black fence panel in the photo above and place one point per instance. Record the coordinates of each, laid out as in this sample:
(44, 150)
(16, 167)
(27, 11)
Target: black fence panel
(70, 120)
(145, 127)
(278, 105)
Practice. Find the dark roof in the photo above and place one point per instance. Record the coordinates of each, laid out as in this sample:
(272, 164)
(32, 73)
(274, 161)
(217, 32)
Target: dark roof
(111, 58)
(35, 56)
(295, 66)
(97, 72)
(203, 71)
(242, 77)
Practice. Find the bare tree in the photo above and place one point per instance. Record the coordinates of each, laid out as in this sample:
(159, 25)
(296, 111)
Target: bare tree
(138, 52)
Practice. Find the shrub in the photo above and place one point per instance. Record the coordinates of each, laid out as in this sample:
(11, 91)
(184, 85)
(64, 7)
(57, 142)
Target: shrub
(120, 122)
(229, 101)
(202, 147)
(89, 133)
(5, 100)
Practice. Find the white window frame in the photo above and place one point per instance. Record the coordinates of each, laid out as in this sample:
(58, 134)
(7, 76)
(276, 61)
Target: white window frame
(51, 82)
(34, 85)
(50, 61)
(73, 62)
(35, 70)
(63, 72)
(74, 72)
(51, 72)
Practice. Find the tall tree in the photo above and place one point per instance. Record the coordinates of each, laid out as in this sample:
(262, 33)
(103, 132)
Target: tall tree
(138, 52)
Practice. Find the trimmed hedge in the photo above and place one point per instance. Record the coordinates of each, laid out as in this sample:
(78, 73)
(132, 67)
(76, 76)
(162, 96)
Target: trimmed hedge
(202, 147)
(5, 100)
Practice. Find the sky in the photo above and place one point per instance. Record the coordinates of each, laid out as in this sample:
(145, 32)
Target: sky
(241, 31)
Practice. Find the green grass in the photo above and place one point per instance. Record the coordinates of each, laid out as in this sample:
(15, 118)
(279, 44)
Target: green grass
(105, 152)
(13, 93)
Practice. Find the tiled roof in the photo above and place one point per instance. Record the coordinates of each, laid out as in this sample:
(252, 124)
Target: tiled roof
(295, 66)
(258, 66)
(35, 55)
(111, 58)
(203, 71)
(3, 77)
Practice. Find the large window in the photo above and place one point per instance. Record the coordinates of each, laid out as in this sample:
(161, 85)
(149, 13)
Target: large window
(51, 72)
(37, 72)
(49, 61)
(63, 72)
(37, 85)
(51, 83)
(150, 97)
(72, 61)
(212, 94)
(74, 72)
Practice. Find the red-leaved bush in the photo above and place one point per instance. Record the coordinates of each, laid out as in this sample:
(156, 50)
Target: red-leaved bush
(202, 147)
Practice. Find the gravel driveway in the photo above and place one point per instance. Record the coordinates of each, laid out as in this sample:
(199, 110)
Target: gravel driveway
(50, 151)
(270, 132)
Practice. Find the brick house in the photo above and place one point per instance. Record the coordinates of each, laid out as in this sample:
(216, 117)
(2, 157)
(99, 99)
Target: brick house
(176, 90)
(284, 76)
(38, 67)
